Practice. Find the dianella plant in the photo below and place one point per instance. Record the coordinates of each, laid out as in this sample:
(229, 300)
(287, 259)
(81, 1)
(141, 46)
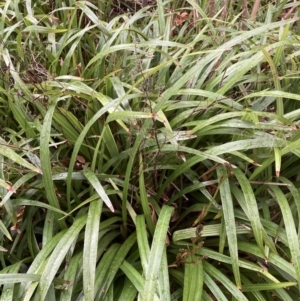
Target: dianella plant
(149, 150)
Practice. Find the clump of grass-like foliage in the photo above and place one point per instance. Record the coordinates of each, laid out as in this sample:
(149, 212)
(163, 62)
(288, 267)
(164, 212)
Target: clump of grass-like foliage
(149, 153)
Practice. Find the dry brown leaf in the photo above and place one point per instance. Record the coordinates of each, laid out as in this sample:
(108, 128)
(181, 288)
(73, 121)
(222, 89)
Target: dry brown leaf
(80, 159)
(181, 18)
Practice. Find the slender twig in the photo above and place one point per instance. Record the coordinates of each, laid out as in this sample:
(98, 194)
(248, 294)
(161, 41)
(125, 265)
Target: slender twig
(211, 8)
(289, 13)
(255, 9)
(225, 8)
(245, 14)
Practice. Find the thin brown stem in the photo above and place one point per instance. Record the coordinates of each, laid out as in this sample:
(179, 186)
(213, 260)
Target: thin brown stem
(255, 9)
(211, 8)
(245, 14)
(289, 13)
(225, 9)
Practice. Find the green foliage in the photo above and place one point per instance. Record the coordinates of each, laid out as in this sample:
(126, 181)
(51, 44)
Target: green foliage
(148, 154)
